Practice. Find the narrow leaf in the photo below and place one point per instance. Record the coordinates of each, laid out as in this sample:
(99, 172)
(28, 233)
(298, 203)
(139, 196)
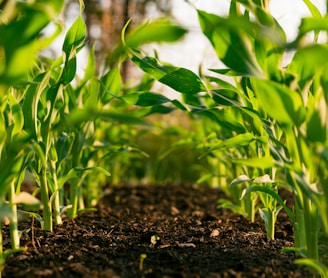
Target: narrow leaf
(160, 30)
(146, 99)
(257, 162)
(239, 180)
(263, 179)
(238, 140)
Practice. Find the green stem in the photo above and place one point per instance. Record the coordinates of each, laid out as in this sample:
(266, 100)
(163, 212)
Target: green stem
(249, 204)
(15, 243)
(56, 197)
(299, 228)
(269, 218)
(47, 210)
(271, 222)
(75, 189)
(311, 225)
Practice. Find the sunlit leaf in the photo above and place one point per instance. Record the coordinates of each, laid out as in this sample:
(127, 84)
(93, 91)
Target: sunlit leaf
(230, 38)
(160, 30)
(179, 79)
(313, 9)
(258, 162)
(308, 61)
(18, 52)
(263, 179)
(239, 180)
(74, 37)
(280, 102)
(314, 265)
(17, 115)
(238, 140)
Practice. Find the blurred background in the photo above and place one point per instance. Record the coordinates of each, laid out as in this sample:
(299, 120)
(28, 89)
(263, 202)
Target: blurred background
(106, 18)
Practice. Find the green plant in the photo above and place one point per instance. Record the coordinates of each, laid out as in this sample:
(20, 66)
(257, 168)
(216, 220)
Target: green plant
(17, 55)
(271, 120)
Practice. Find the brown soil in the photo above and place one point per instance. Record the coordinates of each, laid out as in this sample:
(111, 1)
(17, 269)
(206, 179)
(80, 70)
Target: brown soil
(156, 231)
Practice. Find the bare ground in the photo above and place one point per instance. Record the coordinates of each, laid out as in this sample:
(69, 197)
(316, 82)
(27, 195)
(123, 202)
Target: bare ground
(156, 231)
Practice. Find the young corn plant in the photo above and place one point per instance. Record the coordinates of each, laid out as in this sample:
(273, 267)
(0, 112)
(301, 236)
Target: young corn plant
(284, 109)
(17, 55)
(281, 96)
(42, 103)
(12, 154)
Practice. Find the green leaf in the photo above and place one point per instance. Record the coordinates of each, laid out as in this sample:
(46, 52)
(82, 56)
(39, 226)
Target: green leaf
(231, 39)
(17, 115)
(280, 102)
(316, 126)
(263, 179)
(179, 79)
(238, 140)
(91, 65)
(309, 61)
(313, 9)
(239, 180)
(31, 103)
(74, 37)
(316, 23)
(272, 193)
(324, 82)
(257, 162)
(146, 99)
(309, 24)
(111, 85)
(258, 7)
(314, 265)
(77, 171)
(18, 52)
(79, 116)
(69, 71)
(160, 30)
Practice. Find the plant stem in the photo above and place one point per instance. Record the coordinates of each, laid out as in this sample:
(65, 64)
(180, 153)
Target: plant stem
(56, 197)
(271, 221)
(75, 188)
(299, 227)
(47, 210)
(311, 225)
(13, 224)
(250, 206)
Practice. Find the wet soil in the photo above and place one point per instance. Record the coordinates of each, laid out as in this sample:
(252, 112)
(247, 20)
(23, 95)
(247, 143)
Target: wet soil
(156, 231)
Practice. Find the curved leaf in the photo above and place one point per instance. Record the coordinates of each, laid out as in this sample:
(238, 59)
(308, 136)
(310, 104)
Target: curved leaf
(280, 102)
(179, 79)
(230, 38)
(74, 37)
(274, 194)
